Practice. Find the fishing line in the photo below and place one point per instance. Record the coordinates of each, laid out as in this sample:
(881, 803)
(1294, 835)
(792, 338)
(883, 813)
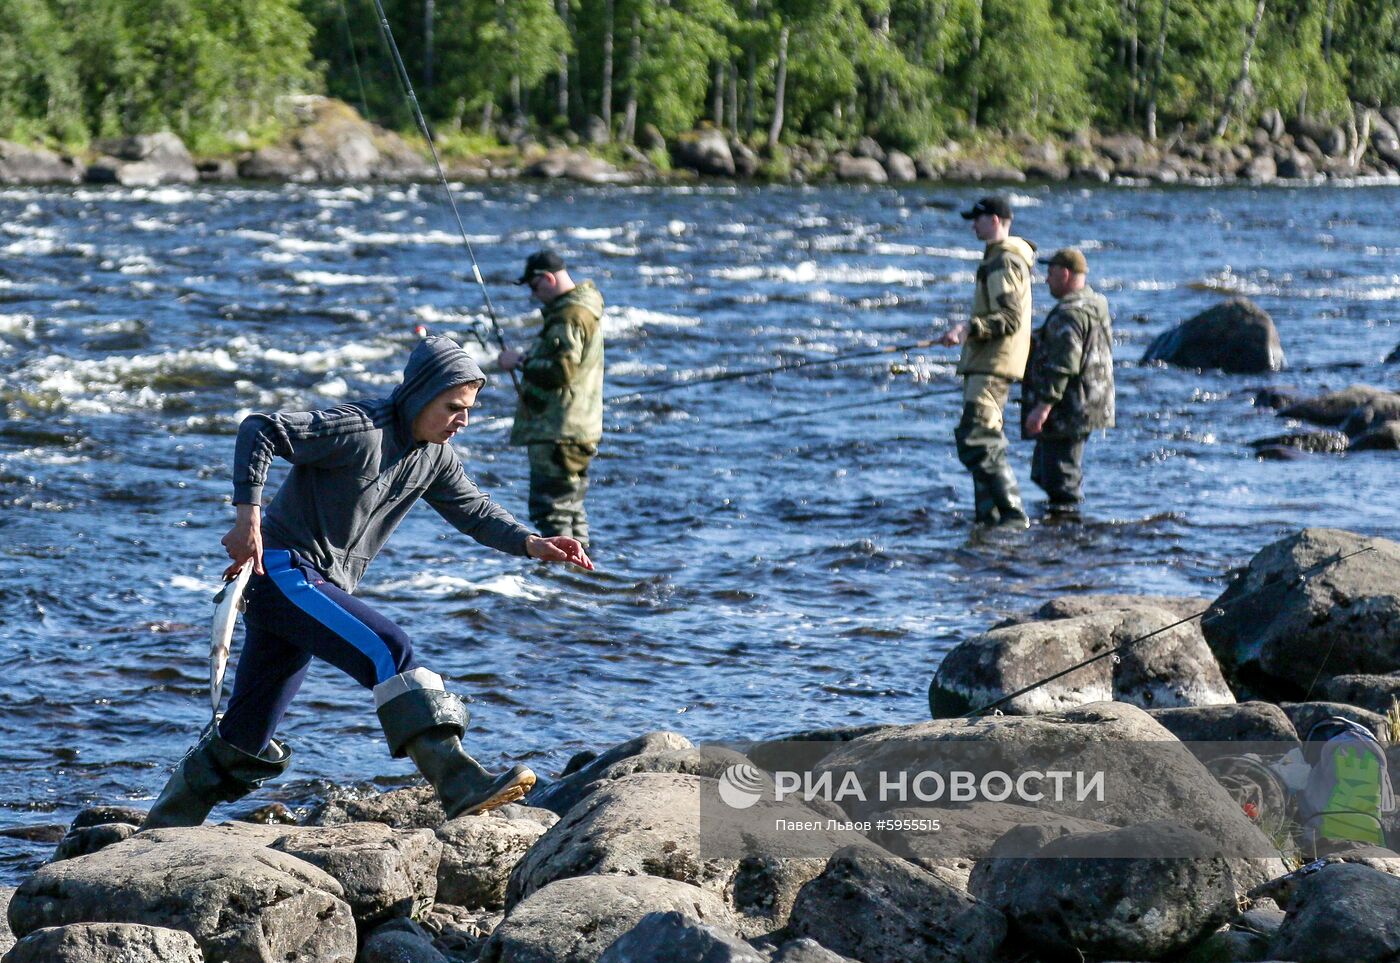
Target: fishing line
(1213, 611)
(354, 59)
(762, 372)
(407, 86)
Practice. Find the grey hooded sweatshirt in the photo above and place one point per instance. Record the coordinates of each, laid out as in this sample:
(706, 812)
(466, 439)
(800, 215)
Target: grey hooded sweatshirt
(357, 470)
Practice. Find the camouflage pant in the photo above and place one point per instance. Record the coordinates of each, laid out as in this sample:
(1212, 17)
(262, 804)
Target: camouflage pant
(1056, 466)
(982, 448)
(558, 482)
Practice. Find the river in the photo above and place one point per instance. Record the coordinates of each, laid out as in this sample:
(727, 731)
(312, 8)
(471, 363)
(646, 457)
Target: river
(752, 579)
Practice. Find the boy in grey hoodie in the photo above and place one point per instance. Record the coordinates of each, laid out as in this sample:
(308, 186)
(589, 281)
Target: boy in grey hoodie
(356, 471)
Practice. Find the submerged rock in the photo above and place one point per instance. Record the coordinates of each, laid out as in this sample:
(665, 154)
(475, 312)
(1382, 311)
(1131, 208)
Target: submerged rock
(1383, 437)
(1325, 442)
(1237, 337)
(1276, 632)
(1334, 408)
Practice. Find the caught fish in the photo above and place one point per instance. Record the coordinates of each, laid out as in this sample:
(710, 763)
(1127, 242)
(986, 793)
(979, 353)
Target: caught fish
(227, 604)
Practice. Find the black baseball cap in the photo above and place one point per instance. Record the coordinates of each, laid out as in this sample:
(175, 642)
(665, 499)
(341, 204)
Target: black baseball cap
(541, 262)
(992, 204)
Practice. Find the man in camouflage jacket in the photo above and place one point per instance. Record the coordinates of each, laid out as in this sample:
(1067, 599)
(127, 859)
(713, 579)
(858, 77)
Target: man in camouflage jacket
(996, 343)
(559, 418)
(1068, 391)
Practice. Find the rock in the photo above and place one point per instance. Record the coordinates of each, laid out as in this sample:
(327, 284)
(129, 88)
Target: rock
(107, 815)
(1335, 408)
(1093, 894)
(900, 167)
(1372, 414)
(1374, 692)
(651, 824)
(705, 151)
(859, 169)
(241, 902)
(807, 950)
(574, 785)
(675, 936)
(145, 160)
(1305, 715)
(1394, 355)
(1272, 123)
(869, 147)
(276, 164)
(1172, 668)
(1125, 151)
(577, 166)
(1295, 165)
(458, 932)
(650, 139)
(1383, 437)
(1263, 169)
(90, 839)
(576, 920)
(1161, 783)
(478, 854)
(1095, 173)
(220, 170)
(1330, 139)
(1237, 337)
(802, 750)
(975, 171)
(384, 872)
(414, 808)
(746, 162)
(595, 131)
(885, 910)
(1244, 722)
(1274, 633)
(1071, 606)
(35, 165)
(1317, 442)
(1341, 914)
(106, 943)
(400, 941)
(7, 939)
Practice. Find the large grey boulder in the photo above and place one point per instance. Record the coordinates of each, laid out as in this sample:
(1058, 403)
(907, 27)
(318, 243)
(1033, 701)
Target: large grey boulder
(1243, 722)
(1342, 914)
(1236, 336)
(479, 853)
(274, 163)
(577, 780)
(576, 920)
(900, 167)
(1171, 668)
(145, 160)
(1092, 894)
(384, 872)
(575, 166)
(1262, 169)
(242, 902)
(1278, 634)
(1070, 606)
(705, 151)
(656, 824)
(35, 165)
(1334, 408)
(802, 750)
(675, 936)
(1149, 775)
(1375, 692)
(879, 909)
(866, 170)
(1305, 715)
(106, 943)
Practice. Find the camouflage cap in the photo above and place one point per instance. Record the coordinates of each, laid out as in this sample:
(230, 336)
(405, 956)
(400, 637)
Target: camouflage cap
(1068, 257)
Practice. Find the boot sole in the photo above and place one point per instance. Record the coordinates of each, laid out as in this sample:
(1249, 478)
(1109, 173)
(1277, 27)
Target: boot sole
(509, 793)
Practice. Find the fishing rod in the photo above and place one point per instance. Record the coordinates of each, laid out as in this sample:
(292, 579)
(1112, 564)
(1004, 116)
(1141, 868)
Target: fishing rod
(407, 85)
(775, 369)
(1212, 612)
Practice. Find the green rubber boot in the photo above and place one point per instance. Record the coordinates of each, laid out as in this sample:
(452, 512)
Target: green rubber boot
(427, 724)
(214, 771)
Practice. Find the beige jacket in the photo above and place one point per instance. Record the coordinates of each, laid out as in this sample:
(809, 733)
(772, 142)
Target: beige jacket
(561, 396)
(999, 334)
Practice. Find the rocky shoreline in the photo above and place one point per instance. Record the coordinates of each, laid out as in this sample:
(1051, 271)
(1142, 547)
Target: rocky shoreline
(629, 855)
(328, 142)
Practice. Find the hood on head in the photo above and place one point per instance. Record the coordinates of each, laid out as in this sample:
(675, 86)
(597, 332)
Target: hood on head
(435, 365)
(585, 295)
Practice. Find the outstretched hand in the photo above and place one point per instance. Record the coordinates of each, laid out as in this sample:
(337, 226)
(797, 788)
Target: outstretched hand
(558, 548)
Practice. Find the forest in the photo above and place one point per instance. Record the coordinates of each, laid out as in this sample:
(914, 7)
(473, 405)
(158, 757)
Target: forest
(907, 73)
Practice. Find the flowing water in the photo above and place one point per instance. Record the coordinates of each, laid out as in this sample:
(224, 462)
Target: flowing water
(753, 578)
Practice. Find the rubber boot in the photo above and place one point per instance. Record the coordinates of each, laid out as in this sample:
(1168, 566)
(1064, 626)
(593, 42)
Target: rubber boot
(984, 502)
(214, 771)
(426, 723)
(1011, 514)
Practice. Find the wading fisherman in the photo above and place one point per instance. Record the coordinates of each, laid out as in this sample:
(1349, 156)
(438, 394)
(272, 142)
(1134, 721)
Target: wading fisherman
(356, 471)
(1068, 392)
(996, 341)
(559, 418)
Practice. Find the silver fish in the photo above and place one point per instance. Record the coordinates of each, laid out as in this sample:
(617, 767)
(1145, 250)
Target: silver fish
(227, 604)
